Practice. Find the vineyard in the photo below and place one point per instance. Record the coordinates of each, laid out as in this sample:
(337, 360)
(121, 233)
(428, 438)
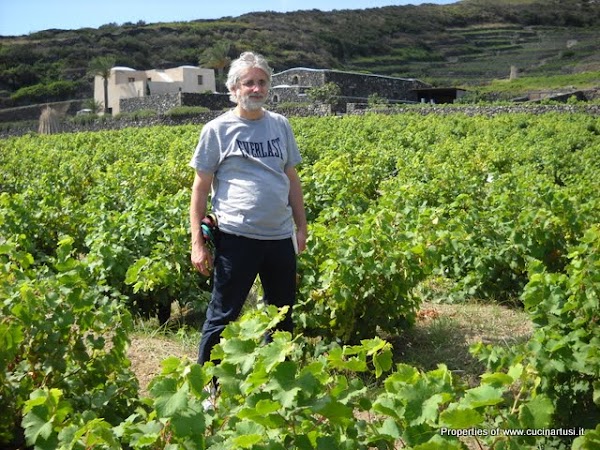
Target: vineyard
(402, 209)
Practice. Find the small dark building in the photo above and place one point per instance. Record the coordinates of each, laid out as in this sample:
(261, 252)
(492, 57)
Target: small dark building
(439, 95)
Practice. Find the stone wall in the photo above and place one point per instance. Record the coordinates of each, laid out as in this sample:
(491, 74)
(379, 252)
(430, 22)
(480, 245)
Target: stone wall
(468, 110)
(299, 77)
(288, 94)
(162, 103)
(101, 124)
(355, 109)
(358, 85)
(214, 102)
(292, 84)
(32, 112)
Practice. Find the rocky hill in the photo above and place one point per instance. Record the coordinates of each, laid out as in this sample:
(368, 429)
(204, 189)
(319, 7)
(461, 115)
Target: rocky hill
(470, 42)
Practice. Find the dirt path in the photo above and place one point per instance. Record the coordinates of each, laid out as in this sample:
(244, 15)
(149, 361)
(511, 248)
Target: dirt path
(146, 354)
(442, 334)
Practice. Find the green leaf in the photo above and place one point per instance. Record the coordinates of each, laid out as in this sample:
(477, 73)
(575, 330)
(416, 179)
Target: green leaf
(276, 351)
(536, 413)
(170, 365)
(250, 433)
(332, 409)
(437, 442)
(327, 443)
(484, 395)
(11, 335)
(134, 270)
(192, 424)
(516, 371)
(497, 379)
(36, 425)
(283, 384)
(197, 379)
(590, 440)
(404, 374)
(170, 400)
(266, 406)
(239, 352)
(429, 413)
(337, 359)
(390, 428)
(459, 417)
(247, 441)
(382, 362)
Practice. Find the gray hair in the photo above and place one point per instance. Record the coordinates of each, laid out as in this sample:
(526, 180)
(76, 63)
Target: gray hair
(247, 60)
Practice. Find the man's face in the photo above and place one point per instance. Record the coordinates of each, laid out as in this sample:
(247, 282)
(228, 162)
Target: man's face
(252, 89)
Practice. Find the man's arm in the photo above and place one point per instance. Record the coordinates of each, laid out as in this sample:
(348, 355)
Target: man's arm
(201, 257)
(297, 203)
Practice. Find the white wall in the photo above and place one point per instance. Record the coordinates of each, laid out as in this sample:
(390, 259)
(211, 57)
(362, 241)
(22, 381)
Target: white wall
(178, 79)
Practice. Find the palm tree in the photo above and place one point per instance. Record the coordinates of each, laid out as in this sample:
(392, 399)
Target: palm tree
(216, 57)
(101, 66)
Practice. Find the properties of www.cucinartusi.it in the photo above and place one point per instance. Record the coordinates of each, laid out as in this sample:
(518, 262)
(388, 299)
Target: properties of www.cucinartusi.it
(546, 432)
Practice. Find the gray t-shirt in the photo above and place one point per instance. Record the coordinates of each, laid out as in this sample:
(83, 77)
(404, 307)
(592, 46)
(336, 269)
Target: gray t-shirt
(250, 190)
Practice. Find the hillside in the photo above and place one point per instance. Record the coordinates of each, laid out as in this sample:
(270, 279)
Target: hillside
(470, 42)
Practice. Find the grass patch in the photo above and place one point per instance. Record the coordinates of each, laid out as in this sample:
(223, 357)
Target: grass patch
(444, 332)
(151, 343)
(580, 81)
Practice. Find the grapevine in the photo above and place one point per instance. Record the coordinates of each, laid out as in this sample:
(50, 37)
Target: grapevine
(94, 230)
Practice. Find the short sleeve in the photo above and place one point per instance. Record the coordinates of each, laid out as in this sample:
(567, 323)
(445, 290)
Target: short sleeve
(294, 157)
(206, 157)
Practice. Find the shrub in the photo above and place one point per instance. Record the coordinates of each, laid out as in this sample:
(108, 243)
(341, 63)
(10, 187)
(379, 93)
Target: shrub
(60, 331)
(139, 114)
(51, 92)
(180, 111)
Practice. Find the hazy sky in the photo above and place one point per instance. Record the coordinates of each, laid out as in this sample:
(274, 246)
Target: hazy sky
(19, 17)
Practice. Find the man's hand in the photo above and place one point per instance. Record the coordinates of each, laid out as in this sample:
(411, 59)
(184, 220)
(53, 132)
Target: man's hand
(301, 240)
(202, 259)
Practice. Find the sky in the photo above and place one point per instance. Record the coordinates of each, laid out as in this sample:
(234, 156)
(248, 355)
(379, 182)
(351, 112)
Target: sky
(21, 17)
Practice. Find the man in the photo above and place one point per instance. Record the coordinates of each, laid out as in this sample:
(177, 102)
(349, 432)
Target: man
(246, 158)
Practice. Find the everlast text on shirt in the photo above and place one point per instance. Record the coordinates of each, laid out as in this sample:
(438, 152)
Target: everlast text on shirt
(268, 149)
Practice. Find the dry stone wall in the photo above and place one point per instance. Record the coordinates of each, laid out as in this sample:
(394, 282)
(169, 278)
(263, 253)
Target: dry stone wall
(32, 112)
(292, 84)
(354, 109)
(162, 103)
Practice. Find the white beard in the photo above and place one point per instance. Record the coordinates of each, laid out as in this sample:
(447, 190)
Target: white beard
(251, 103)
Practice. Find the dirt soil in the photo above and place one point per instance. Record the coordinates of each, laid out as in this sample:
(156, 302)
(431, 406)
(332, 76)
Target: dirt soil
(442, 334)
(146, 354)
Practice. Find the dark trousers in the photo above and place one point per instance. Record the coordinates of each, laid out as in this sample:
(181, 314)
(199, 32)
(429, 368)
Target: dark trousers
(238, 260)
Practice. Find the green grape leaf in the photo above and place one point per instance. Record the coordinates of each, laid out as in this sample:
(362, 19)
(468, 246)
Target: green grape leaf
(536, 413)
(459, 417)
(483, 395)
(170, 400)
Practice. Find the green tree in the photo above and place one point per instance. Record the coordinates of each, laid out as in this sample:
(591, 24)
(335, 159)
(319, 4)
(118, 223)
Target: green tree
(217, 57)
(94, 105)
(328, 93)
(101, 66)
(376, 101)
(50, 92)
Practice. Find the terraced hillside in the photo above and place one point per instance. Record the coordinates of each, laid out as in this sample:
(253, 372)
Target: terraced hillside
(469, 42)
(477, 53)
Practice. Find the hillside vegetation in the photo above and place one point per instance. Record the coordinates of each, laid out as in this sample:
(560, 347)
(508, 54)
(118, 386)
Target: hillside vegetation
(470, 42)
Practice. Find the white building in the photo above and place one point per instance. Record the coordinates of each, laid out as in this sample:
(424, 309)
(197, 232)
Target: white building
(125, 82)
